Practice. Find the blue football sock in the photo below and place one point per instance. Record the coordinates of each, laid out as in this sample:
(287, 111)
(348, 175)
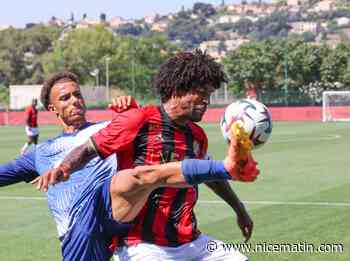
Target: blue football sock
(198, 171)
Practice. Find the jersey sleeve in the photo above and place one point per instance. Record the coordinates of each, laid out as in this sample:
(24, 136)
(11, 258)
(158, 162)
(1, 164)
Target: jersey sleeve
(205, 145)
(202, 139)
(29, 114)
(19, 170)
(120, 133)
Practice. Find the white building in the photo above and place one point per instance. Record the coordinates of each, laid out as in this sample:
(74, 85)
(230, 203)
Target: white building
(325, 5)
(87, 22)
(342, 21)
(21, 95)
(117, 21)
(228, 19)
(160, 26)
(302, 27)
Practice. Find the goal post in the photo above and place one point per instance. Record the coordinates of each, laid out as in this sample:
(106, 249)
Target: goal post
(336, 106)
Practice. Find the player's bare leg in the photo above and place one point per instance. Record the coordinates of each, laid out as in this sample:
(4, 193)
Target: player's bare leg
(131, 188)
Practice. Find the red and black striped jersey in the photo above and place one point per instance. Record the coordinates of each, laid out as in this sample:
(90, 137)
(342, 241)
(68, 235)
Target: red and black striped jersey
(147, 136)
(32, 116)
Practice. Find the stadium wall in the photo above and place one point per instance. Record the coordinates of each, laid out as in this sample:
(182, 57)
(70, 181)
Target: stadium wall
(212, 115)
(279, 114)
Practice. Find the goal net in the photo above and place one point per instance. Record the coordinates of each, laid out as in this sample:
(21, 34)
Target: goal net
(336, 106)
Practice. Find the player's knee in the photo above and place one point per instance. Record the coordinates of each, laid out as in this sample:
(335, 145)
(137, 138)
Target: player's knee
(124, 182)
(147, 176)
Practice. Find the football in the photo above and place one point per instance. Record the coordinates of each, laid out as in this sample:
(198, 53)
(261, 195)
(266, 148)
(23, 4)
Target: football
(254, 116)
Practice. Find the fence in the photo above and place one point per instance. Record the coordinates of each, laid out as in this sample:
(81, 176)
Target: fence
(271, 97)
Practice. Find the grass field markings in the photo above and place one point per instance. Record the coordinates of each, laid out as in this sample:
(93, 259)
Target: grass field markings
(328, 137)
(21, 198)
(290, 203)
(286, 203)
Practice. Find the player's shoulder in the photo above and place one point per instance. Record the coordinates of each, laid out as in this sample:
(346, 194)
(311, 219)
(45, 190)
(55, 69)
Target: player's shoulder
(46, 147)
(150, 109)
(96, 125)
(134, 116)
(197, 130)
(89, 129)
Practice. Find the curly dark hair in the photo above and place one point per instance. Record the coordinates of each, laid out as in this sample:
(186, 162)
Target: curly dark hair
(187, 71)
(51, 81)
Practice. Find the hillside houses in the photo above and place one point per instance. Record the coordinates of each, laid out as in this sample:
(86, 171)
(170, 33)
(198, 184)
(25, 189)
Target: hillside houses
(303, 27)
(252, 9)
(218, 49)
(227, 26)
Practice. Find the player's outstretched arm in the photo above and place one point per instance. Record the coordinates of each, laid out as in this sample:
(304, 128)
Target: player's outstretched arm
(74, 161)
(187, 172)
(225, 191)
(131, 188)
(18, 170)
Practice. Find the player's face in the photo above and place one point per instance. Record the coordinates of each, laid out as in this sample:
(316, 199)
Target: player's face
(68, 103)
(194, 104)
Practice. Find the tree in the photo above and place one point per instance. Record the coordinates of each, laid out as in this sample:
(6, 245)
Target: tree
(81, 51)
(21, 53)
(309, 36)
(12, 64)
(103, 18)
(334, 65)
(266, 65)
(129, 29)
(132, 61)
(243, 26)
(253, 62)
(304, 64)
(190, 32)
(144, 55)
(203, 9)
(274, 25)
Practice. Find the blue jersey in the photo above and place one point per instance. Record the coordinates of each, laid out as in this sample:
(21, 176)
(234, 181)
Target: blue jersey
(81, 206)
(65, 199)
(18, 170)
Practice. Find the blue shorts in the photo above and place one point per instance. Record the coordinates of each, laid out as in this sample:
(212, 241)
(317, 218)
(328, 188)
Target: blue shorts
(90, 234)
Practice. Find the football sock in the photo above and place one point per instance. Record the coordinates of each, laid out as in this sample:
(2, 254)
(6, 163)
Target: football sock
(24, 148)
(198, 171)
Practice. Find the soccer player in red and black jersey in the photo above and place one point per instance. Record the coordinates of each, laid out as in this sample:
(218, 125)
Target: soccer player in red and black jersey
(166, 226)
(32, 129)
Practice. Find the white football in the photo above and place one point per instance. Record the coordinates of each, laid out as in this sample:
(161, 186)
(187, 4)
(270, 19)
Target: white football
(254, 116)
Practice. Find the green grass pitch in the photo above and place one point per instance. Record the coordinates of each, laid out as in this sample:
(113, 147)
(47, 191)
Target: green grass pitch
(302, 195)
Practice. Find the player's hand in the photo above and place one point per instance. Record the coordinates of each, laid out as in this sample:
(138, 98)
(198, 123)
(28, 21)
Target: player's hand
(245, 223)
(123, 103)
(51, 177)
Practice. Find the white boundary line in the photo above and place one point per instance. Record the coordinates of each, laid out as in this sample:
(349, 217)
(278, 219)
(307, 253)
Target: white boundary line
(21, 198)
(322, 138)
(286, 203)
(268, 203)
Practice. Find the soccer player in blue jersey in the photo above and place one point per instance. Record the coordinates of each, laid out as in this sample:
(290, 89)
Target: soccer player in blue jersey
(81, 207)
(78, 201)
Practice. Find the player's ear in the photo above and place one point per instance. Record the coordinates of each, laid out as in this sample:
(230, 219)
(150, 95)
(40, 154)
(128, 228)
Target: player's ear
(52, 108)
